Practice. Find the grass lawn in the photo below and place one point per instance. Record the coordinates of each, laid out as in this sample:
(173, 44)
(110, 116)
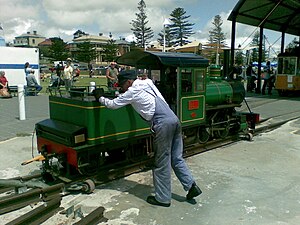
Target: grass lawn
(82, 80)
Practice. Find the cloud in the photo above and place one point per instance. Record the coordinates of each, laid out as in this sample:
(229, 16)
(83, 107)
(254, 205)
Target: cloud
(61, 18)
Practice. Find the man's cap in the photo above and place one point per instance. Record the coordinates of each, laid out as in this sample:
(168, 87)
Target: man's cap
(113, 63)
(69, 59)
(126, 75)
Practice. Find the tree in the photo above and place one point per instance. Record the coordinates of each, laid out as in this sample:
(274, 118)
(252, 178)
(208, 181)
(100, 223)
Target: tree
(255, 43)
(216, 35)
(110, 51)
(141, 31)
(85, 52)
(239, 57)
(58, 51)
(168, 37)
(293, 44)
(180, 29)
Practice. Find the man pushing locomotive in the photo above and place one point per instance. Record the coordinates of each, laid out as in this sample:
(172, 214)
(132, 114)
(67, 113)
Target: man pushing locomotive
(146, 99)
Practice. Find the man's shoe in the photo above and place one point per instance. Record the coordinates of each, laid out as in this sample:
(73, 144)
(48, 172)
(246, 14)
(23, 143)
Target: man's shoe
(153, 201)
(193, 192)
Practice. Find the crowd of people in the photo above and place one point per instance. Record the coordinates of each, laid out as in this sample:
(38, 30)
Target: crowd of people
(268, 79)
(66, 76)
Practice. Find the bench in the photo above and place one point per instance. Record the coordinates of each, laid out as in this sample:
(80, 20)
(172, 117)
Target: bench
(30, 91)
(13, 90)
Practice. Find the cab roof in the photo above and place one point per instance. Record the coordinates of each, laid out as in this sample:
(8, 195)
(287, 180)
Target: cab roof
(155, 60)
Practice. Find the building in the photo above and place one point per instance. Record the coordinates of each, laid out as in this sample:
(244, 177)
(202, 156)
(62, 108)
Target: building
(98, 42)
(28, 40)
(193, 47)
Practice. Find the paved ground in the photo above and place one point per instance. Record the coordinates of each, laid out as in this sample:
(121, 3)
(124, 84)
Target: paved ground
(37, 109)
(245, 183)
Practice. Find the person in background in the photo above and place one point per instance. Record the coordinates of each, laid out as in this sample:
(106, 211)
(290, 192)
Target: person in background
(31, 82)
(3, 80)
(68, 74)
(27, 69)
(146, 99)
(76, 75)
(4, 85)
(58, 69)
(251, 78)
(267, 79)
(112, 76)
(91, 71)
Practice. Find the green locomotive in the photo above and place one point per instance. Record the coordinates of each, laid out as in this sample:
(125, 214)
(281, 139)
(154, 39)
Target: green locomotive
(82, 136)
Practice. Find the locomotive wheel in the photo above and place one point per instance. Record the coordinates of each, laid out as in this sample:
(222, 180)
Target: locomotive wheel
(87, 165)
(88, 186)
(223, 132)
(203, 135)
(249, 136)
(48, 177)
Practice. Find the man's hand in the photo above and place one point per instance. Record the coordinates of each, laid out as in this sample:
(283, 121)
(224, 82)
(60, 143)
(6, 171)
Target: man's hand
(98, 92)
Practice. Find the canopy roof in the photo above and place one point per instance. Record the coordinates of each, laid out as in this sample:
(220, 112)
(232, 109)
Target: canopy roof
(277, 15)
(146, 59)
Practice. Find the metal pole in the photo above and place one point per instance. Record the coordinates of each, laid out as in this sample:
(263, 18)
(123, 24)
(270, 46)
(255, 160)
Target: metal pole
(164, 46)
(21, 98)
(217, 56)
(92, 86)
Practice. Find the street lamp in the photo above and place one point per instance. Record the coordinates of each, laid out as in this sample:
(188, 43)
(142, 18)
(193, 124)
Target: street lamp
(217, 56)
(165, 24)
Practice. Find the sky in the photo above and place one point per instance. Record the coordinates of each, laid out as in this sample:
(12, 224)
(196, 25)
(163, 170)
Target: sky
(61, 18)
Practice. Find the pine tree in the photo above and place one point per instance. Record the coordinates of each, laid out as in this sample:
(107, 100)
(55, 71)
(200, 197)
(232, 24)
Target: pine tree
(58, 50)
(216, 35)
(293, 44)
(85, 52)
(168, 37)
(110, 50)
(239, 57)
(141, 31)
(180, 29)
(255, 42)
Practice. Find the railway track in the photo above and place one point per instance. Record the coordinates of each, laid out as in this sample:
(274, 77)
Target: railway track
(48, 198)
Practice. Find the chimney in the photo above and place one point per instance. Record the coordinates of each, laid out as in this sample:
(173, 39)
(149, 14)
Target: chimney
(34, 32)
(100, 34)
(28, 32)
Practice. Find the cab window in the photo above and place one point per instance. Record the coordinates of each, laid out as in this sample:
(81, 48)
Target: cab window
(186, 81)
(199, 80)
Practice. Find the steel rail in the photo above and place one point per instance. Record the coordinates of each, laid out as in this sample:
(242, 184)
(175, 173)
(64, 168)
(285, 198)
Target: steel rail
(38, 215)
(17, 201)
(93, 218)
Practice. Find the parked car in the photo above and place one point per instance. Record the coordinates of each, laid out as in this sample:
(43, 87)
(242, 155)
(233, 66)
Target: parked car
(81, 67)
(101, 70)
(76, 65)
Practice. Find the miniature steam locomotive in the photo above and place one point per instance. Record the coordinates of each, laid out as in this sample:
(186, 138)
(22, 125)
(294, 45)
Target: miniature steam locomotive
(83, 137)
